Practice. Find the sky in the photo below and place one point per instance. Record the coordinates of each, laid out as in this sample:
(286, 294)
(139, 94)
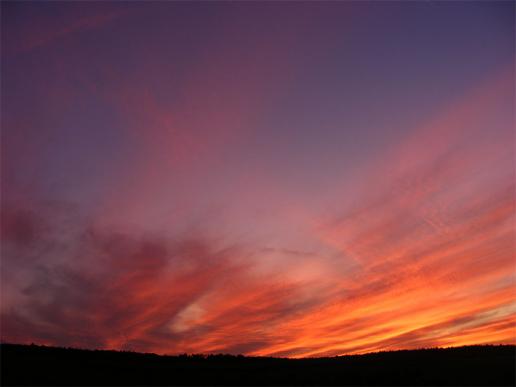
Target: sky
(262, 178)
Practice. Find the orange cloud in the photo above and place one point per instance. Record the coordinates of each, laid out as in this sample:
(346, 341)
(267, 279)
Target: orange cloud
(424, 257)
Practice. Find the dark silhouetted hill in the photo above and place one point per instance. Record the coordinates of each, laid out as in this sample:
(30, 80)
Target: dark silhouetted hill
(471, 366)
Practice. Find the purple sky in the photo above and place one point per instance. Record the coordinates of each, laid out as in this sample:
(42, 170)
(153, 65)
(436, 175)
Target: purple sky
(286, 178)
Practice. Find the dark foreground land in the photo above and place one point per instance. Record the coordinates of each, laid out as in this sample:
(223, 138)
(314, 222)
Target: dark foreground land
(464, 366)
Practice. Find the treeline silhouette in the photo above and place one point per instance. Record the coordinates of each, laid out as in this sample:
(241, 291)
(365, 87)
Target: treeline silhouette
(482, 365)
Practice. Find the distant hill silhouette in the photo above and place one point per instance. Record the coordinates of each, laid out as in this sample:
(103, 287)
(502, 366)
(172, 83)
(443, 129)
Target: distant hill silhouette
(470, 365)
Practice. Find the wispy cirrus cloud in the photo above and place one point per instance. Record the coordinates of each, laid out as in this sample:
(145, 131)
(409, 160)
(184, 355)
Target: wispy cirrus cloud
(260, 179)
(54, 25)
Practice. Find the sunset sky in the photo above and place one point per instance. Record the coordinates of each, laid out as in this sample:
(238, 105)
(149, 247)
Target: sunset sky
(265, 178)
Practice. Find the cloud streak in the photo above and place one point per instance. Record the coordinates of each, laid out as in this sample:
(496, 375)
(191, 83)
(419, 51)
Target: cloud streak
(234, 188)
(429, 263)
